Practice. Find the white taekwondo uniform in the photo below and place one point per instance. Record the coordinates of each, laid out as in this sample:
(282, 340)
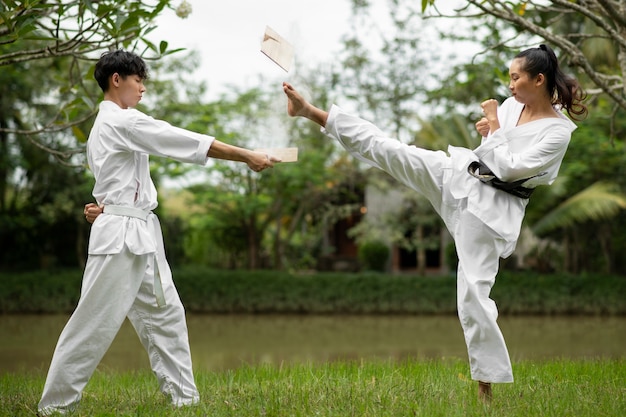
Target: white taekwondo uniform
(485, 222)
(126, 274)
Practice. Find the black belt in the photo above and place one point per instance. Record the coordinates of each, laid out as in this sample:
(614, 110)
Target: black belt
(483, 173)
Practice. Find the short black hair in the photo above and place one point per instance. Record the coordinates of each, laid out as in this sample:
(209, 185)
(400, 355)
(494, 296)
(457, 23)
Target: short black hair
(123, 62)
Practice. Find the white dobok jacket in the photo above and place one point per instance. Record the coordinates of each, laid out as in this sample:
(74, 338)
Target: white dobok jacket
(512, 153)
(117, 150)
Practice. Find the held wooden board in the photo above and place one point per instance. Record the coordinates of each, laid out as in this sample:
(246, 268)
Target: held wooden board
(276, 48)
(285, 154)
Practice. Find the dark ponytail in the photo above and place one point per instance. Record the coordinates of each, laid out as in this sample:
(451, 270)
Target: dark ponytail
(564, 90)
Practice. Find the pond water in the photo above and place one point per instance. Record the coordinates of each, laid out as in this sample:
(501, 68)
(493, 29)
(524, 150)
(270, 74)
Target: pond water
(220, 342)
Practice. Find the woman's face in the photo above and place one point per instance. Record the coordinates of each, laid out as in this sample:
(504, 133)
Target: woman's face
(522, 86)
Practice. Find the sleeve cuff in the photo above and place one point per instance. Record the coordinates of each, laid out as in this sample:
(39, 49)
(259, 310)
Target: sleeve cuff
(203, 149)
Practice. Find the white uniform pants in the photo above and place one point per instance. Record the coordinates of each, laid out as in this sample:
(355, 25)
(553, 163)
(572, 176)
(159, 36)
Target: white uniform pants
(479, 250)
(478, 247)
(115, 287)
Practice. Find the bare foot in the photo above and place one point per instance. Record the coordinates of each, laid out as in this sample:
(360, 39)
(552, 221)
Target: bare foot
(296, 105)
(484, 392)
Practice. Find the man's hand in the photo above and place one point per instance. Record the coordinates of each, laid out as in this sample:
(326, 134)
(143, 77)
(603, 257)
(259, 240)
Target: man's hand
(92, 211)
(258, 161)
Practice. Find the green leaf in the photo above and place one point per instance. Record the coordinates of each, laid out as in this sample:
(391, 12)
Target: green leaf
(598, 201)
(79, 134)
(162, 47)
(149, 44)
(85, 99)
(121, 18)
(173, 51)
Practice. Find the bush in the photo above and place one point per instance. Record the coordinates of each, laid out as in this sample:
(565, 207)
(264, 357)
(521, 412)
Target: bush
(205, 290)
(374, 255)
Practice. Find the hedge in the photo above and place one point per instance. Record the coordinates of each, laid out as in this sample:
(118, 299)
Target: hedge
(205, 290)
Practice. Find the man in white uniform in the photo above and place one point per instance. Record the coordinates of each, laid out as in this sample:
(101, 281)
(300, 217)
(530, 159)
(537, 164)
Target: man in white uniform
(480, 194)
(126, 274)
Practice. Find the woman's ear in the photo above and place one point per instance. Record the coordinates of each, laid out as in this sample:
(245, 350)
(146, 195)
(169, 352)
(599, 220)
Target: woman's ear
(540, 80)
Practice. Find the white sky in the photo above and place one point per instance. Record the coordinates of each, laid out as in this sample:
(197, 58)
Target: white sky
(228, 35)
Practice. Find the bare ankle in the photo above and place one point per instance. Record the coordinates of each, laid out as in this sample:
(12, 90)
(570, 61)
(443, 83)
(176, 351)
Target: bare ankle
(484, 391)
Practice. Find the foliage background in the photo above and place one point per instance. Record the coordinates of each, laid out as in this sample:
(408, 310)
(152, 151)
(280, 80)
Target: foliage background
(224, 216)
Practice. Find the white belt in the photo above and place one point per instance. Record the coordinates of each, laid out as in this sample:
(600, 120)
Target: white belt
(127, 211)
(162, 269)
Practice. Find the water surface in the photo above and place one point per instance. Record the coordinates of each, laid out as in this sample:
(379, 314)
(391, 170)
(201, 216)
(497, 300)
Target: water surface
(220, 342)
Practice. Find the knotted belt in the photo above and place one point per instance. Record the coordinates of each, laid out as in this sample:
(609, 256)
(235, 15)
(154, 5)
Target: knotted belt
(161, 267)
(483, 173)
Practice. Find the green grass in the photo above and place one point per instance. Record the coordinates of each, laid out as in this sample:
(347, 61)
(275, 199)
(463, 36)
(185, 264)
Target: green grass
(556, 388)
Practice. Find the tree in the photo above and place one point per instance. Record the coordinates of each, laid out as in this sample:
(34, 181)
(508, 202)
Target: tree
(35, 200)
(585, 202)
(385, 73)
(574, 27)
(385, 81)
(47, 50)
(235, 217)
(77, 32)
(589, 37)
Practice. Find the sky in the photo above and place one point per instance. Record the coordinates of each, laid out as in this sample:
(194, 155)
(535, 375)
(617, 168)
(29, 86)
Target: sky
(228, 35)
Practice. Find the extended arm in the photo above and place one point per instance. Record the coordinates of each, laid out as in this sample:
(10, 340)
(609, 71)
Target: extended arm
(257, 161)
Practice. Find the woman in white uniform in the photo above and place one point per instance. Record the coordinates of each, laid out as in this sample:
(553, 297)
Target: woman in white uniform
(480, 194)
(126, 274)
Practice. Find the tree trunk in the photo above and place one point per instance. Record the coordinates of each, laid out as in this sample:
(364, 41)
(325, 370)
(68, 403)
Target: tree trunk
(253, 244)
(278, 255)
(421, 252)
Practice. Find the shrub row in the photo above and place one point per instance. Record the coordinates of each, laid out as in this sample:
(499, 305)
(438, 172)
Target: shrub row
(216, 291)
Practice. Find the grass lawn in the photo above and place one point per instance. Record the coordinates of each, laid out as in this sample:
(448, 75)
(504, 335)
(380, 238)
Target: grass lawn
(557, 388)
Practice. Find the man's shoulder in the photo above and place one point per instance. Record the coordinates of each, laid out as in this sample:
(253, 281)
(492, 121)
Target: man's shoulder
(111, 113)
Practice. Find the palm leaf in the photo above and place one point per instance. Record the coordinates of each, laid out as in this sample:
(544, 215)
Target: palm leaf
(439, 132)
(599, 201)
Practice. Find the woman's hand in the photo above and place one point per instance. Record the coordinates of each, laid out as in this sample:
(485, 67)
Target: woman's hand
(482, 126)
(490, 110)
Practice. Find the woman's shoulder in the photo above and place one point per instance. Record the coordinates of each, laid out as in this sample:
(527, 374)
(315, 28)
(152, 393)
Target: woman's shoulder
(509, 112)
(511, 103)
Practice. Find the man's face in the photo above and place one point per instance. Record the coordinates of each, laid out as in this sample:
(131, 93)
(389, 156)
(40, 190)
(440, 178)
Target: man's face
(130, 89)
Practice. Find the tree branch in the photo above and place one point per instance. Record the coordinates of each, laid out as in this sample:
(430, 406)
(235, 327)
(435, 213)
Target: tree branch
(611, 11)
(59, 155)
(50, 127)
(47, 52)
(602, 23)
(577, 58)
